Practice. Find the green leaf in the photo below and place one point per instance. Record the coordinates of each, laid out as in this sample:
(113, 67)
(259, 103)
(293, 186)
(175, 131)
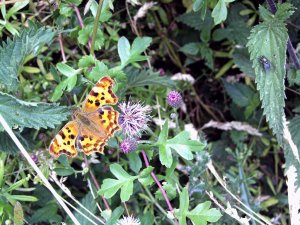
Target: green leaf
(239, 93)
(170, 190)
(8, 145)
(191, 48)
(22, 198)
(192, 20)
(198, 4)
(125, 182)
(105, 11)
(269, 39)
(85, 34)
(182, 144)
(18, 214)
(124, 50)
(28, 42)
(119, 172)
(241, 58)
(294, 125)
(88, 202)
(44, 214)
(16, 7)
(135, 162)
(130, 54)
(86, 61)
(219, 12)
(203, 214)
(141, 78)
(28, 114)
(145, 178)
(67, 70)
(183, 206)
(116, 214)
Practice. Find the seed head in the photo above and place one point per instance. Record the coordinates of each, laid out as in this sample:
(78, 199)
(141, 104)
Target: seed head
(133, 118)
(174, 99)
(128, 220)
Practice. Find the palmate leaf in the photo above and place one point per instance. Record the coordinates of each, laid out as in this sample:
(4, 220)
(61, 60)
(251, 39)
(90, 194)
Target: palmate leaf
(32, 115)
(269, 40)
(13, 52)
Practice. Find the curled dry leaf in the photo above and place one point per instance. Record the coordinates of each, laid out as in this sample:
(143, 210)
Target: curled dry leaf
(233, 125)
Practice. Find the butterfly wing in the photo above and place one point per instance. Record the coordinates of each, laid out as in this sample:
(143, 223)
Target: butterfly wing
(100, 95)
(64, 141)
(105, 121)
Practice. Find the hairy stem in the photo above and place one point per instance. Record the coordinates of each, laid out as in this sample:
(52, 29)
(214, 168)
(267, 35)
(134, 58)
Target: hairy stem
(96, 23)
(37, 170)
(159, 185)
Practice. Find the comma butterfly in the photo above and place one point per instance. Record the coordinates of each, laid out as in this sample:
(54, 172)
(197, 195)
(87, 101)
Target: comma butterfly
(92, 125)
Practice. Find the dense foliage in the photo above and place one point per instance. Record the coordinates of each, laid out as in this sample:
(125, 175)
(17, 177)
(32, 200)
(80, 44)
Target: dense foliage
(205, 91)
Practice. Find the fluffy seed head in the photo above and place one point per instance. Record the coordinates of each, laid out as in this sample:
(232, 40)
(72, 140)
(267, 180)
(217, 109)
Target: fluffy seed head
(174, 99)
(128, 220)
(133, 118)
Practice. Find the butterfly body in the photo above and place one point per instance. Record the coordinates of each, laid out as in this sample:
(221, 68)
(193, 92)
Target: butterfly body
(91, 126)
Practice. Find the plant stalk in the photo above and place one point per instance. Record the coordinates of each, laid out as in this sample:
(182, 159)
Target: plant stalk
(96, 23)
(159, 186)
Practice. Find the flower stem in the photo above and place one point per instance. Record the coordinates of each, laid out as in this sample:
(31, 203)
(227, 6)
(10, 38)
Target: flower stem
(159, 185)
(96, 23)
(37, 170)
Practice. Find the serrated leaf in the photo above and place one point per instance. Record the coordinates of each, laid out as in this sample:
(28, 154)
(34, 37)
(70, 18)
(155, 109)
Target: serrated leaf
(239, 93)
(170, 190)
(294, 125)
(135, 162)
(28, 114)
(141, 78)
(8, 145)
(14, 52)
(241, 58)
(88, 202)
(44, 214)
(269, 39)
(192, 20)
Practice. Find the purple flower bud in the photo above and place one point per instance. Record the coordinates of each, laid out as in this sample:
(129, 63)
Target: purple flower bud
(174, 99)
(161, 71)
(128, 145)
(34, 158)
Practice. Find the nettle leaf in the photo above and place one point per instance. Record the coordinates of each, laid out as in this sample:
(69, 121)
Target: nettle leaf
(21, 114)
(141, 78)
(219, 12)
(200, 215)
(88, 202)
(130, 54)
(8, 145)
(124, 182)
(181, 144)
(269, 40)
(241, 58)
(13, 52)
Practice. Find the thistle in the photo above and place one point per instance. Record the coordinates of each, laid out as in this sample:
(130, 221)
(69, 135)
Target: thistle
(128, 220)
(174, 99)
(133, 118)
(128, 145)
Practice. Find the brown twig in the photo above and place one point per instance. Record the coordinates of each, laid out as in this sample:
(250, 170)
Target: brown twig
(62, 48)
